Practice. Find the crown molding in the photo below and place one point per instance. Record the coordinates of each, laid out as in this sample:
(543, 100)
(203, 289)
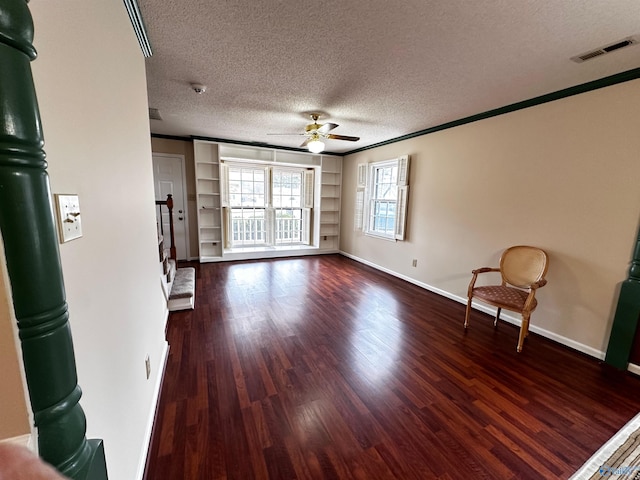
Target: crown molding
(259, 144)
(138, 26)
(549, 97)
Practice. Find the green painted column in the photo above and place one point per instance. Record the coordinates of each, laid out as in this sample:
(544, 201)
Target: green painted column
(627, 315)
(33, 261)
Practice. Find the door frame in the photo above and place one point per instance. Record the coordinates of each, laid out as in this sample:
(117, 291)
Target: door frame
(184, 195)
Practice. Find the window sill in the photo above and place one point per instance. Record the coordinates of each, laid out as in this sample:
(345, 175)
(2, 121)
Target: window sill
(381, 237)
(254, 253)
(269, 248)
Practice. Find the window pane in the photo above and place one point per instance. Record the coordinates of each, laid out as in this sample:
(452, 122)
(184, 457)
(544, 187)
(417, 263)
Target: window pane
(248, 226)
(383, 200)
(287, 189)
(385, 185)
(289, 226)
(246, 186)
(252, 223)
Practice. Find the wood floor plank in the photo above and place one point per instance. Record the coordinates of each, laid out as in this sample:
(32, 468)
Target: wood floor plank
(323, 368)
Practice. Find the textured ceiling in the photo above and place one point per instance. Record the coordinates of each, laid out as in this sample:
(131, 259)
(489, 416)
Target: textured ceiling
(380, 69)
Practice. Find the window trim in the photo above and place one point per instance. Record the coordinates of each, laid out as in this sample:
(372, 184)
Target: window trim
(275, 242)
(371, 174)
(363, 198)
(306, 208)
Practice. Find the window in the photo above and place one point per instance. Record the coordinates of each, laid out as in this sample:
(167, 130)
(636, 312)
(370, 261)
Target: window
(381, 198)
(287, 205)
(266, 205)
(247, 202)
(382, 207)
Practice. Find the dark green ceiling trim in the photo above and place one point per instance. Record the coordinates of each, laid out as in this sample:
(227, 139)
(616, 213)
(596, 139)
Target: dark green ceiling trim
(549, 97)
(171, 137)
(259, 144)
(236, 142)
(138, 26)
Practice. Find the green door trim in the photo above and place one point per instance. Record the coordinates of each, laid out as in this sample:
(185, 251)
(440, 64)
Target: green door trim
(33, 260)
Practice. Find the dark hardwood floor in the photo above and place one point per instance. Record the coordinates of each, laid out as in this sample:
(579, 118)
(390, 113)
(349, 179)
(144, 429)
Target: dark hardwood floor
(320, 368)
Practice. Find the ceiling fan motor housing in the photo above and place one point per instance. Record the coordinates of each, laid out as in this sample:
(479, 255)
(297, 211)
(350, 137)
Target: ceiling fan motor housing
(312, 127)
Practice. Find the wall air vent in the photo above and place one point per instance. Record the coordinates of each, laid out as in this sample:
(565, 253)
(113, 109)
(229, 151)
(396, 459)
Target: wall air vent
(154, 114)
(606, 49)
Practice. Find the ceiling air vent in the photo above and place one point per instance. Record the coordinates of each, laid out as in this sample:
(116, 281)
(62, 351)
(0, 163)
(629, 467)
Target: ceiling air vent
(154, 114)
(604, 50)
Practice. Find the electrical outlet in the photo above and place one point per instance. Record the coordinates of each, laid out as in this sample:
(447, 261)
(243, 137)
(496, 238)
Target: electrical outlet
(147, 364)
(414, 263)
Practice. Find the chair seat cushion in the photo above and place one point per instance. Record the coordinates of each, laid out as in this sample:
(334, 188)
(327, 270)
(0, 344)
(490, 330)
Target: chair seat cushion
(507, 297)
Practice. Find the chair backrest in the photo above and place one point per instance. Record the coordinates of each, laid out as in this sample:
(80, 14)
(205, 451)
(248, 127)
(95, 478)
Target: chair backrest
(521, 266)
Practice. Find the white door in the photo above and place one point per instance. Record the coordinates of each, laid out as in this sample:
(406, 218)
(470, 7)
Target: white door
(168, 178)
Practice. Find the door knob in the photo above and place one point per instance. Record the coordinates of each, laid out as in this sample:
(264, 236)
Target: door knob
(179, 218)
(179, 211)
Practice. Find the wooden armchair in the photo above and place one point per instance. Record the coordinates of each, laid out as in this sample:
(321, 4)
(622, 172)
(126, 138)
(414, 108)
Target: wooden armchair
(523, 270)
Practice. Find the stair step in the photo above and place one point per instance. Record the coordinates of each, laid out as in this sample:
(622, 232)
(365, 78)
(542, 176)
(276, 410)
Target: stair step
(183, 291)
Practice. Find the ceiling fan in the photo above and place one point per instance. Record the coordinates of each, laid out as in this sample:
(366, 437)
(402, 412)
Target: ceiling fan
(316, 132)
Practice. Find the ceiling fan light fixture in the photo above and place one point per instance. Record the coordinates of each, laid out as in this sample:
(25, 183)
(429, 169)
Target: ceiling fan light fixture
(315, 146)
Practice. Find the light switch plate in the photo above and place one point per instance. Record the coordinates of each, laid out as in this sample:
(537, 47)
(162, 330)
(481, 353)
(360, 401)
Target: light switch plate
(69, 219)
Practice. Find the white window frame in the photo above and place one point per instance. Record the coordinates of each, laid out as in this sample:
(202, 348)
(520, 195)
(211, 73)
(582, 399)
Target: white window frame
(306, 197)
(365, 188)
(230, 207)
(301, 208)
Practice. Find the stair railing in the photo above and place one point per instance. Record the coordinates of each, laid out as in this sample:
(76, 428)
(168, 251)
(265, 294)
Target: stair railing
(169, 204)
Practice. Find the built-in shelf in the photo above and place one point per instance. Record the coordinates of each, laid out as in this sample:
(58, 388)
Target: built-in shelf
(211, 156)
(331, 180)
(207, 173)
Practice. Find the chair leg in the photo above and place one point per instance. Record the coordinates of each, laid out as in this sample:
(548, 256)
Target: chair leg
(467, 313)
(524, 331)
(495, 322)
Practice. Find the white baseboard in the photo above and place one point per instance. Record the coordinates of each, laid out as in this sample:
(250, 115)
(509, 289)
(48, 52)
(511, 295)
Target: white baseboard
(166, 318)
(152, 412)
(490, 310)
(633, 368)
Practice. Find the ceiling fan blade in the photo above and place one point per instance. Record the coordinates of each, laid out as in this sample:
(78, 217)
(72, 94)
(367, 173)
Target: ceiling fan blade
(327, 127)
(342, 137)
(304, 144)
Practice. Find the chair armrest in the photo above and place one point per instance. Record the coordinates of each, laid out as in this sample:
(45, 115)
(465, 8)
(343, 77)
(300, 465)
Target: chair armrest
(532, 293)
(539, 284)
(484, 270)
(475, 276)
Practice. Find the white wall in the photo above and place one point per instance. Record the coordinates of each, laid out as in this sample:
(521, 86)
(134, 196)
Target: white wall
(91, 87)
(562, 176)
